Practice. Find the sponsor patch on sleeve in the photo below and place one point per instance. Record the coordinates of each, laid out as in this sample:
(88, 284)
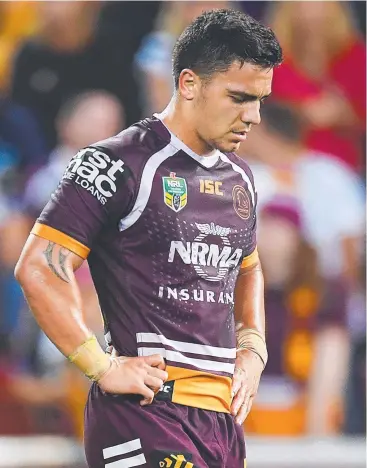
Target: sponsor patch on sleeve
(95, 172)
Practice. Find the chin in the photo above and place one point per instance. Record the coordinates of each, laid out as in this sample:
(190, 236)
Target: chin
(228, 146)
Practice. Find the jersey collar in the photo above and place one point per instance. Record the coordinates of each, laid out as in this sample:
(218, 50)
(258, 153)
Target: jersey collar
(206, 161)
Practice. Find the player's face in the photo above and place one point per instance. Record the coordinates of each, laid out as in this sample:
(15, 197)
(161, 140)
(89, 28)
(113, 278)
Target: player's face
(228, 105)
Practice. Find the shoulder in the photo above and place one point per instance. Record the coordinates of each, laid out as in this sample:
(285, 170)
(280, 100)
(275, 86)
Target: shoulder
(242, 169)
(133, 146)
(121, 160)
(238, 163)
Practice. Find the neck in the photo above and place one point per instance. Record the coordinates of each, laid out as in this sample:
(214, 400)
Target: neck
(179, 122)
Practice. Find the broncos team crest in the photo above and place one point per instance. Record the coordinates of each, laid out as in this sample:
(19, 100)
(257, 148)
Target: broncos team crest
(175, 192)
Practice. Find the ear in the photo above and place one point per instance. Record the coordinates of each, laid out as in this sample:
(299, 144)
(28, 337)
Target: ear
(188, 84)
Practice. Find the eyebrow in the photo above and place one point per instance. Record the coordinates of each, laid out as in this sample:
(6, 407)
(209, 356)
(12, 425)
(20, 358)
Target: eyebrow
(247, 96)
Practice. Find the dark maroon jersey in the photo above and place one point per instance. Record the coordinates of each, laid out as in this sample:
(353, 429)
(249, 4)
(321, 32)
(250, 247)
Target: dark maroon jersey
(165, 232)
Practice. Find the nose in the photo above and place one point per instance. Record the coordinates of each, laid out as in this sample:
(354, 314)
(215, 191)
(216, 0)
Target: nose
(251, 113)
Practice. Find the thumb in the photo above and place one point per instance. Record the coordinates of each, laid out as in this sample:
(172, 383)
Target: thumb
(155, 360)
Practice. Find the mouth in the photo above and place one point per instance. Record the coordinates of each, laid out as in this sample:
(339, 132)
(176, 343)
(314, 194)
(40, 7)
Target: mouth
(240, 136)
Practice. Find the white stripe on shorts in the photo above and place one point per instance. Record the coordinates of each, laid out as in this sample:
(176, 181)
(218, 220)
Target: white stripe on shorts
(121, 449)
(138, 460)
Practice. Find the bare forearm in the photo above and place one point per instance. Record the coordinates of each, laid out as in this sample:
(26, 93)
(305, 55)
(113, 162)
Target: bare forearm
(249, 299)
(53, 295)
(251, 355)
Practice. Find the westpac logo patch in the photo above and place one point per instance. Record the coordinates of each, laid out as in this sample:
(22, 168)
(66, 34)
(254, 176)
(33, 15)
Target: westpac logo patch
(175, 192)
(95, 172)
(211, 261)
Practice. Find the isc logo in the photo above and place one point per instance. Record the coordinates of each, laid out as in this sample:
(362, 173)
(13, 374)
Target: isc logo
(211, 187)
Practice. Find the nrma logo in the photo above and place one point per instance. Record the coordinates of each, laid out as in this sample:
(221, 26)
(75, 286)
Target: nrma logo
(95, 172)
(211, 261)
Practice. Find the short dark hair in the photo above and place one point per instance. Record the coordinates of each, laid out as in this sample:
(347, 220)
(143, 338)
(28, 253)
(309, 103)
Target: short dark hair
(217, 38)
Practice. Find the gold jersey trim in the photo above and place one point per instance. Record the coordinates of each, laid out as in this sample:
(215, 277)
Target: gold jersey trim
(250, 259)
(53, 235)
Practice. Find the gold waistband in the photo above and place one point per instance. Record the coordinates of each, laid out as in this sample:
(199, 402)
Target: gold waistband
(200, 389)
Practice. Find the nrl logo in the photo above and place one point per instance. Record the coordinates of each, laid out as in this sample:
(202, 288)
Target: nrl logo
(175, 192)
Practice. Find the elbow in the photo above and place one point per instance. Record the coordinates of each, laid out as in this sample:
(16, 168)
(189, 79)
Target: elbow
(27, 262)
(20, 270)
(29, 275)
(30, 268)
(25, 268)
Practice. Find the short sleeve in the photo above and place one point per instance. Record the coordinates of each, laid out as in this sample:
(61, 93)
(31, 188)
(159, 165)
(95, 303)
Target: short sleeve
(251, 254)
(96, 190)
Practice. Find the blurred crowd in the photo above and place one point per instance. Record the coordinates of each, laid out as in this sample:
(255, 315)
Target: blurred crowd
(73, 73)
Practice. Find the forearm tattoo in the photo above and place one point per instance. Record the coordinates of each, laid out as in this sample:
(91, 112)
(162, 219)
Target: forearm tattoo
(58, 267)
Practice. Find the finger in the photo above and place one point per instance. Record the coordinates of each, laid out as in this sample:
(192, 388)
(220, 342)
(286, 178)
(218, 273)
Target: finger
(236, 383)
(155, 360)
(153, 382)
(148, 395)
(114, 352)
(241, 415)
(158, 373)
(238, 400)
(146, 402)
(249, 407)
(162, 366)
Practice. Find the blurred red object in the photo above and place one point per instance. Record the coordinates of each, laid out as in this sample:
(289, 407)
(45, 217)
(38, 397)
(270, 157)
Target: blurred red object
(15, 416)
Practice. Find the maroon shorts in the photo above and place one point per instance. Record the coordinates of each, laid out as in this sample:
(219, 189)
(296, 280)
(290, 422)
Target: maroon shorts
(119, 433)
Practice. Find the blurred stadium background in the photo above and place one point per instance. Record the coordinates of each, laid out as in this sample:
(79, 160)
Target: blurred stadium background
(72, 73)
